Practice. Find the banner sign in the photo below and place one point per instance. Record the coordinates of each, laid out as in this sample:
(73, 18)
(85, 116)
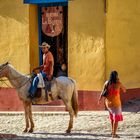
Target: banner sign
(52, 20)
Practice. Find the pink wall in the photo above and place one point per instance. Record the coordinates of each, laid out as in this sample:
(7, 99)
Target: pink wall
(9, 100)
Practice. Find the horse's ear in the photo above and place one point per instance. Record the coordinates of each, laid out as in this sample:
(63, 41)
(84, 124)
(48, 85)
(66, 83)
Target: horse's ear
(6, 63)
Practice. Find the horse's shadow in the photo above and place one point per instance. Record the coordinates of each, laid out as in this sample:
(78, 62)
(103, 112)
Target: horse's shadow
(65, 136)
(51, 138)
(73, 134)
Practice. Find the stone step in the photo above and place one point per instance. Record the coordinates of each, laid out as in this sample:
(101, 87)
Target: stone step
(50, 102)
(56, 105)
(37, 108)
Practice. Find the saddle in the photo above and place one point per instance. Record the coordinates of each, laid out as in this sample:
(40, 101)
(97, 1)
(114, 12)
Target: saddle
(40, 90)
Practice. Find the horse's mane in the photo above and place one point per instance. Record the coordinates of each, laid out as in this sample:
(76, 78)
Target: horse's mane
(15, 72)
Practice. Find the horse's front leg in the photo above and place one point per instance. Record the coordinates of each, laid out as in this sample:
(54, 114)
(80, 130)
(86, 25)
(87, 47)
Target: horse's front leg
(26, 117)
(31, 118)
(71, 113)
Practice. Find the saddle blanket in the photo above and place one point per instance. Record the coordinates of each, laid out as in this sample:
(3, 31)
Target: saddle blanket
(41, 83)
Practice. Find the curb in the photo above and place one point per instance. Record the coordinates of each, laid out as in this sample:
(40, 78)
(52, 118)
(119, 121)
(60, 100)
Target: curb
(34, 113)
(53, 113)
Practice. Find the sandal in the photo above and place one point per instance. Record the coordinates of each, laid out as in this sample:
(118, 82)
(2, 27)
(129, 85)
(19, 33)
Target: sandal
(115, 136)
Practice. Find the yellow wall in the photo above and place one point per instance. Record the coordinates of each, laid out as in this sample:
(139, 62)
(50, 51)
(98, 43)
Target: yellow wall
(19, 35)
(34, 49)
(89, 61)
(123, 40)
(86, 29)
(14, 34)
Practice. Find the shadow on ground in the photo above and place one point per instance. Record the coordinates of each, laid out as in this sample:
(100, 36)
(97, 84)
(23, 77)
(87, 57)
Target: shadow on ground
(72, 136)
(65, 136)
(7, 136)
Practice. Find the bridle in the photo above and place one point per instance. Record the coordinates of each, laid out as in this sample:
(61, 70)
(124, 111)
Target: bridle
(3, 67)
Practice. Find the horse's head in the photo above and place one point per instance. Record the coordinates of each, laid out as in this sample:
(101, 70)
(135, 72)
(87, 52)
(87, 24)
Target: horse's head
(3, 69)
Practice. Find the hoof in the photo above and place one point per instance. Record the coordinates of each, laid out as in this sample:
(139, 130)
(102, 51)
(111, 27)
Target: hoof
(25, 130)
(30, 131)
(68, 131)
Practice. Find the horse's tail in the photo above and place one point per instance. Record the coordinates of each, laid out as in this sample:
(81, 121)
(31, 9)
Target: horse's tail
(75, 99)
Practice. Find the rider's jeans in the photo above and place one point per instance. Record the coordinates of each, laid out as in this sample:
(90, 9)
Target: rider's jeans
(33, 88)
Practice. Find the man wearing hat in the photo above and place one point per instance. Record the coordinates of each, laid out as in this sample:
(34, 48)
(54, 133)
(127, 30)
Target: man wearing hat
(46, 69)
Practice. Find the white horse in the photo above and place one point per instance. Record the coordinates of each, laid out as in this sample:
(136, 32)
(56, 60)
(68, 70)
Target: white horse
(62, 87)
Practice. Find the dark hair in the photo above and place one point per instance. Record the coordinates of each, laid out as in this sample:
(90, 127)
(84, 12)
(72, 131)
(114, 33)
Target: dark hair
(113, 77)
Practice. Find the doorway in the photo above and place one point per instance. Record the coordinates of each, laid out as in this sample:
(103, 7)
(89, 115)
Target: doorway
(53, 23)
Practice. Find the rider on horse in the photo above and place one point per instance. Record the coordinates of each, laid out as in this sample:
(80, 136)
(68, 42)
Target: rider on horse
(46, 69)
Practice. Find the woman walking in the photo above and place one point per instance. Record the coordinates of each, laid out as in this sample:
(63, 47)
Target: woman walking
(112, 100)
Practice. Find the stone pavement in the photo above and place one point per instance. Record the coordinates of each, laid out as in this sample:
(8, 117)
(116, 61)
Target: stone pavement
(93, 125)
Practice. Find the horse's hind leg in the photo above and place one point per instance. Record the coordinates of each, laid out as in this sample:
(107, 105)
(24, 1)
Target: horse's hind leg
(71, 113)
(26, 116)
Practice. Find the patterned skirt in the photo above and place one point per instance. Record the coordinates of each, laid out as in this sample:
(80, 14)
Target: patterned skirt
(115, 113)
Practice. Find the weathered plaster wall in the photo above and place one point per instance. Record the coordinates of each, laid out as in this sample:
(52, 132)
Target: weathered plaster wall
(123, 40)
(14, 34)
(86, 51)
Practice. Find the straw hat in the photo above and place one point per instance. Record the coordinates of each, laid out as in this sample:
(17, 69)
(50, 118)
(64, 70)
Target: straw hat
(44, 44)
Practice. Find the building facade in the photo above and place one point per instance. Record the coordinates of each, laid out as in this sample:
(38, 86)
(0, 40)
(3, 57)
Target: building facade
(97, 36)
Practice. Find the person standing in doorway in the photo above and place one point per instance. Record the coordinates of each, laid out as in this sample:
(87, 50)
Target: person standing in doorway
(112, 101)
(46, 69)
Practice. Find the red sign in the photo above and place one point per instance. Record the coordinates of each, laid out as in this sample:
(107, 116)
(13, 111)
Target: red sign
(52, 20)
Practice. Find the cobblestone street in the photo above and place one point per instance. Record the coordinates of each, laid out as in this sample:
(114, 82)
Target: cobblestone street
(88, 125)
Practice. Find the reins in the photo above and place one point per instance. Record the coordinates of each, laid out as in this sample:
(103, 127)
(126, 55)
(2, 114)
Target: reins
(3, 81)
(14, 78)
(23, 84)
